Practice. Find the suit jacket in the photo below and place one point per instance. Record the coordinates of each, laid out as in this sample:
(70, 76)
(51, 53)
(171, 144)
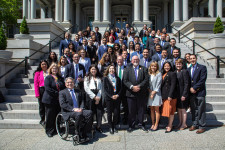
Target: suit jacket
(127, 62)
(199, 79)
(98, 37)
(101, 51)
(51, 94)
(183, 84)
(63, 44)
(69, 59)
(81, 47)
(164, 44)
(70, 72)
(129, 79)
(109, 89)
(150, 43)
(66, 102)
(184, 64)
(160, 64)
(91, 50)
(168, 86)
(38, 82)
(170, 55)
(142, 62)
(76, 44)
(156, 57)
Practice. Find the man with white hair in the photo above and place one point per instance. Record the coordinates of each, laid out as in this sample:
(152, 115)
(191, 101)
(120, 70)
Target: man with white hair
(64, 43)
(136, 79)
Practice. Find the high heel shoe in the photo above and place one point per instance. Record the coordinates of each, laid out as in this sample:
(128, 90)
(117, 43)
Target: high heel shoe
(168, 131)
(155, 129)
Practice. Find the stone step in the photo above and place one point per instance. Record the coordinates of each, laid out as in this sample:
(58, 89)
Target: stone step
(20, 124)
(23, 80)
(215, 80)
(215, 98)
(216, 91)
(33, 67)
(20, 86)
(21, 92)
(19, 114)
(24, 76)
(19, 106)
(215, 85)
(20, 98)
(210, 106)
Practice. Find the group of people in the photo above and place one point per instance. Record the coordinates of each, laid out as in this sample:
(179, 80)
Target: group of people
(97, 74)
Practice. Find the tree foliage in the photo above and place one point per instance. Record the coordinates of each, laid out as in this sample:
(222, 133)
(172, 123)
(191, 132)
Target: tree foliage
(10, 11)
(218, 26)
(23, 27)
(3, 39)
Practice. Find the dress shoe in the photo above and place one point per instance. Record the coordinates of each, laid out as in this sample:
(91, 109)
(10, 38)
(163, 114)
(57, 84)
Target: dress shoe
(99, 130)
(129, 130)
(143, 128)
(199, 131)
(111, 130)
(115, 130)
(49, 135)
(155, 129)
(192, 128)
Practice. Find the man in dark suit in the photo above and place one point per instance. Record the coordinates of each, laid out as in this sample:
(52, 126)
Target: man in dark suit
(64, 43)
(142, 32)
(146, 60)
(171, 47)
(157, 54)
(156, 41)
(83, 46)
(176, 56)
(150, 41)
(91, 50)
(76, 71)
(198, 74)
(72, 104)
(164, 55)
(68, 56)
(120, 72)
(102, 49)
(136, 81)
(76, 42)
(126, 58)
(98, 35)
(163, 42)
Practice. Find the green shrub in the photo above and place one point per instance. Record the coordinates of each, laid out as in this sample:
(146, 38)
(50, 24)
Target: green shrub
(218, 26)
(3, 39)
(23, 27)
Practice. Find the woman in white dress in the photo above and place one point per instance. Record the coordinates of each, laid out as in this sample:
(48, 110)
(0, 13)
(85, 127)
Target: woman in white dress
(155, 99)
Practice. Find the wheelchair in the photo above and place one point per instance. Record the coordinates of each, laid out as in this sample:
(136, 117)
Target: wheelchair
(63, 129)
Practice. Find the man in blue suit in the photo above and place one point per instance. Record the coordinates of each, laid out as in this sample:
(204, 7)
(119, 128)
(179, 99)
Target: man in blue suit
(102, 49)
(64, 43)
(198, 74)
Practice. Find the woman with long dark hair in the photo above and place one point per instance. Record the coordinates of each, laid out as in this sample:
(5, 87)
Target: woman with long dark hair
(104, 62)
(39, 76)
(93, 89)
(71, 47)
(53, 84)
(52, 58)
(112, 90)
(62, 65)
(131, 48)
(169, 95)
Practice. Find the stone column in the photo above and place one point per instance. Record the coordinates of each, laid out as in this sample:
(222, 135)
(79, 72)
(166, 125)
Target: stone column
(29, 10)
(78, 14)
(57, 10)
(211, 8)
(106, 10)
(145, 10)
(66, 10)
(136, 10)
(97, 10)
(176, 10)
(33, 9)
(185, 10)
(220, 8)
(25, 8)
(165, 12)
(43, 12)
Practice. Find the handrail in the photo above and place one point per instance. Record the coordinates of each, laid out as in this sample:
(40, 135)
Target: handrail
(195, 43)
(39, 50)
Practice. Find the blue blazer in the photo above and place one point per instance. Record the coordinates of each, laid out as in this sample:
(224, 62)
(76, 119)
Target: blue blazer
(199, 79)
(101, 51)
(155, 57)
(62, 46)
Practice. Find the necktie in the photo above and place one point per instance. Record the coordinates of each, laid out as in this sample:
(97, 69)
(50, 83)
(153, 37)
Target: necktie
(120, 73)
(125, 63)
(74, 99)
(171, 50)
(76, 72)
(146, 63)
(162, 63)
(193, 71)
(135, 70)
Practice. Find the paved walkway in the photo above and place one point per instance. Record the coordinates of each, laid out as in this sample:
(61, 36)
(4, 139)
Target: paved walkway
(35, 139)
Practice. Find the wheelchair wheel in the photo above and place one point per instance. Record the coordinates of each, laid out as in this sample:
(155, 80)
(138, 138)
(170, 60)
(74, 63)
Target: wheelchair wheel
(62, 127)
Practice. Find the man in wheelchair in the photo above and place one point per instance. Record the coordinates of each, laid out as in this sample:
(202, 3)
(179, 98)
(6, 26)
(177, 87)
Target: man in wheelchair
(72, 106)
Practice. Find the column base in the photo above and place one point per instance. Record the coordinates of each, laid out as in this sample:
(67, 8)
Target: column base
(66, 24)
(138, 25)
(177, 25)
(103, 26)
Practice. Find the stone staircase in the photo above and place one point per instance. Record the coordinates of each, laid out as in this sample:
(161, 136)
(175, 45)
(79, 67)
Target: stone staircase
(21, 107)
